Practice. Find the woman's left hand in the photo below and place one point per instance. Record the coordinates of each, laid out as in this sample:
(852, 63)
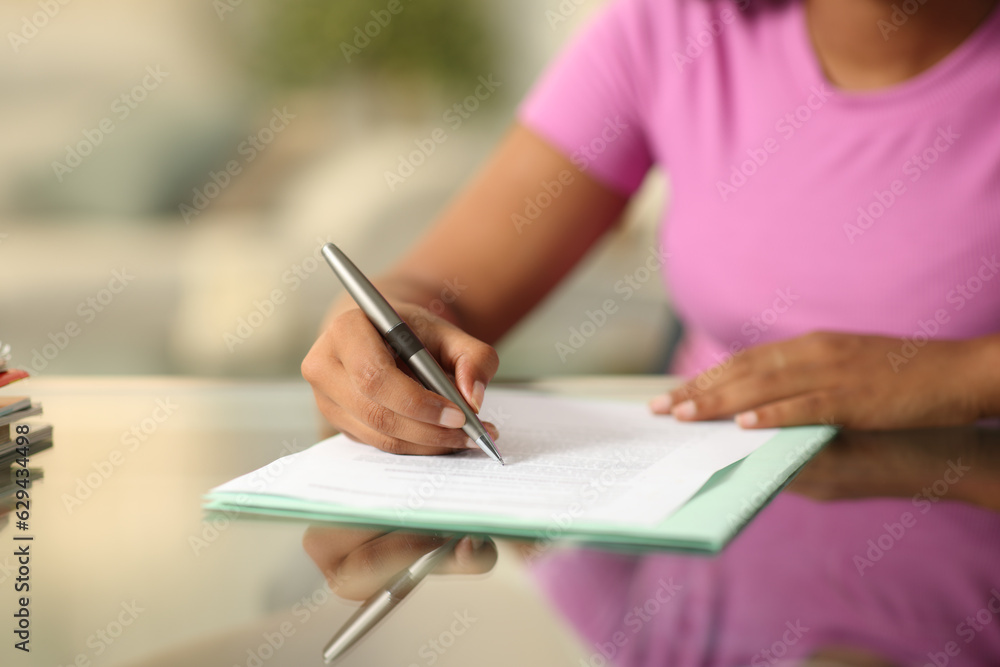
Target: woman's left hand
(860, 382)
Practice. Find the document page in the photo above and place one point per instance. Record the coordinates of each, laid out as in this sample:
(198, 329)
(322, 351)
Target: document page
(566, 460)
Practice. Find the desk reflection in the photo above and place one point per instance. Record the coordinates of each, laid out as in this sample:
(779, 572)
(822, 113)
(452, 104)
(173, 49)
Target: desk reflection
(885, 550)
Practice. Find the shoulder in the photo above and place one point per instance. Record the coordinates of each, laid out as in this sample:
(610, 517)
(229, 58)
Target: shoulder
(658, 38)
(674, 21)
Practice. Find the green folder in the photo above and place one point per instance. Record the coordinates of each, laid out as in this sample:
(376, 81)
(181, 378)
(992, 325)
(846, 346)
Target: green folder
(706, 523)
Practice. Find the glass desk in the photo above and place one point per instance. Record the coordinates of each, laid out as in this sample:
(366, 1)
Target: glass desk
(884, 550)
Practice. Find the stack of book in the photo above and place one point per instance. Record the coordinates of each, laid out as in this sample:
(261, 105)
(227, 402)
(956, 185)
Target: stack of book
(19, 440)
(14, 410)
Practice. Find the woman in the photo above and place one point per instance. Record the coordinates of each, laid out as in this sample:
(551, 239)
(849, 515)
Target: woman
(835, 162)
(834, 169)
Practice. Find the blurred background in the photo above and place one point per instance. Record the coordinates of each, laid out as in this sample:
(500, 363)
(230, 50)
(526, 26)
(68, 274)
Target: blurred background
(170, 169)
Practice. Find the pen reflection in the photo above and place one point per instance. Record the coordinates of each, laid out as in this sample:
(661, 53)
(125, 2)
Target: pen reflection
(357, 562)
(885, 550)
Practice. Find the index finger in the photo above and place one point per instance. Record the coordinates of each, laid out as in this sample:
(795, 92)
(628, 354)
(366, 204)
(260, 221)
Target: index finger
(742, 364)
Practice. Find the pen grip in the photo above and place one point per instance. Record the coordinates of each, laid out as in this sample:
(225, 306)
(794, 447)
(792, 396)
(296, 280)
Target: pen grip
(403, 341)
(402, 586)
(406, 344)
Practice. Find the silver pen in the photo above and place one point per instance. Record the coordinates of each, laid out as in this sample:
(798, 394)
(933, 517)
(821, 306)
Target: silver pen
(405, 343)
(384, 601)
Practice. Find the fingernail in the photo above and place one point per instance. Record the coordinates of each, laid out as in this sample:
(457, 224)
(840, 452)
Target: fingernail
(661, 404)
(478, 394)
(471, 444)
(747, 419)
(685, 410)
(476, 543)
(451, 418)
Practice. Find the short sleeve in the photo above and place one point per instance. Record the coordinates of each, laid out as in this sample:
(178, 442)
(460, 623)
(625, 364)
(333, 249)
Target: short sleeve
(589, 103)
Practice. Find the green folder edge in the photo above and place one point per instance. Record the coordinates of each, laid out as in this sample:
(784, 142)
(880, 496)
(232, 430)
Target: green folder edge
(706, 523)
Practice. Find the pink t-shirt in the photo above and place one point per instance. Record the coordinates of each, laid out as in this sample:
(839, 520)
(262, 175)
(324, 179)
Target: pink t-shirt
(796, 207)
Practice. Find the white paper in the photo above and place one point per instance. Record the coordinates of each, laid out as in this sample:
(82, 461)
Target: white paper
(566, 460)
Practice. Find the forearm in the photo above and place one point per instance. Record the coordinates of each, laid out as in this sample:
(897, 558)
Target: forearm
(983, 370)
(480, 266)
(501, 262)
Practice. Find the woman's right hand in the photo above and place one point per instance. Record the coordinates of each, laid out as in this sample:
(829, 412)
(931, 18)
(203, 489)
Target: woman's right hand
(359, 386)
(371, 396)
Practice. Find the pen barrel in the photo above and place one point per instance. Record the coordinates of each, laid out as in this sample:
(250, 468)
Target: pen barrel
(361, 290)
(379, 605)
(433, 377)
(359, 624)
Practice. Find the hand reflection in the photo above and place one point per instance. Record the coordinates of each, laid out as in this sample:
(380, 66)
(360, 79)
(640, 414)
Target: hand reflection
(357, 562)
(961, 463)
